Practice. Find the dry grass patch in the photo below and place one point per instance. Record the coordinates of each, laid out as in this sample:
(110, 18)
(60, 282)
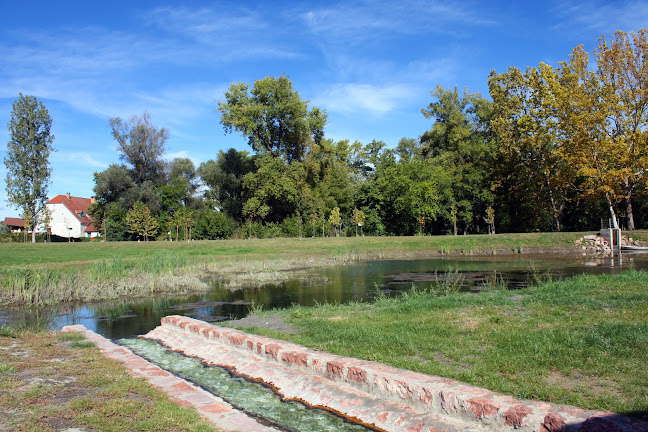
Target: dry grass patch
(53, 383)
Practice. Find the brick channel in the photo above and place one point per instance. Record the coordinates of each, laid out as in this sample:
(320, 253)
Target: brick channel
(380, 396)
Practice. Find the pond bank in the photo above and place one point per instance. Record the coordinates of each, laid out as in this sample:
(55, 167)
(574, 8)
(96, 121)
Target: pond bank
(52, 273)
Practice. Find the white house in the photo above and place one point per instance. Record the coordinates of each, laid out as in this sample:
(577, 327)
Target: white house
(69, 217)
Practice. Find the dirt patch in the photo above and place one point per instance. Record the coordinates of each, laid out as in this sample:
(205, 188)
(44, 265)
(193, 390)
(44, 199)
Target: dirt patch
(271, 323)
(583, 383)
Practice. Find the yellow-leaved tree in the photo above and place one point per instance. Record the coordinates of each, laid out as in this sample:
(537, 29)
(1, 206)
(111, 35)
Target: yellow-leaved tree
(603, 115)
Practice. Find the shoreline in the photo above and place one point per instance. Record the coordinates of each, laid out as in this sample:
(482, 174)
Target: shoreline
(139, 270)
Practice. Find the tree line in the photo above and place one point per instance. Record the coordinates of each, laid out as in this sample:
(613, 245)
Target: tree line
(554, 148)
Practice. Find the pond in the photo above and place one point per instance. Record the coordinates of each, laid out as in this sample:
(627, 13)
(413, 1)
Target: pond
(360, 281)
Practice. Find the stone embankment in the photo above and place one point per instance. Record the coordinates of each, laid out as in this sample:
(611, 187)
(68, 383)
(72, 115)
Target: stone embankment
(595, 244)
(382, 397)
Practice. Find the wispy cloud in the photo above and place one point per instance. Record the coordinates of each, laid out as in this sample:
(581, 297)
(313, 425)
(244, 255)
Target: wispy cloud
(353, 22)
(235, 32)
(601, 16)
(103, 72)
(79, 158)
(183, 155)
(354, 98)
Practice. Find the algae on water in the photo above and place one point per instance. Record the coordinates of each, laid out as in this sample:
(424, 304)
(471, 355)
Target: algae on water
(254, 398)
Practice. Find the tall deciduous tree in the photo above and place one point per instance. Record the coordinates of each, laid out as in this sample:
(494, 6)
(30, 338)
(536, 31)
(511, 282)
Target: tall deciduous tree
(141, 145)
(622, 67)
(459, 142)
(526, 129)
(27, 160)
(224, 180)
(273, 117)
(358, 219)
(604, 117)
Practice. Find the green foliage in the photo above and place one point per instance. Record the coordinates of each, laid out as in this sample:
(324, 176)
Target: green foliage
(273, 117)
(141, 145)
(550, 152)
(224, 181)
(276, 189)
(335, 220)
(141, 222)
(410, 194)
(27, 159)
(211, 225)
(459, 144)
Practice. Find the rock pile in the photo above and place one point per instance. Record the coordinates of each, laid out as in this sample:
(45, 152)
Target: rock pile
(598, 245)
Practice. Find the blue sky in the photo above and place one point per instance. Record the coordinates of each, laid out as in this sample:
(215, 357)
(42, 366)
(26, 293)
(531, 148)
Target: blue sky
(369, 65)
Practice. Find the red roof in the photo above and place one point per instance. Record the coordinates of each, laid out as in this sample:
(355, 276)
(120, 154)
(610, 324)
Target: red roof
(78, 207)
(14, 222)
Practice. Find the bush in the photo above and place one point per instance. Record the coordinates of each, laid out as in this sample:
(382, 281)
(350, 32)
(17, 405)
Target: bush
(211, 225)
(290, 227)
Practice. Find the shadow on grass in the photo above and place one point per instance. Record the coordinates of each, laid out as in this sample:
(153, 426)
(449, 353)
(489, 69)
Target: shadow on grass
(635, 421)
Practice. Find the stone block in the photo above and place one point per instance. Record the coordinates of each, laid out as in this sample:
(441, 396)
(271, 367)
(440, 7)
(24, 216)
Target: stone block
(334, 368)
(483, 407)
(517, 416)
(357, 374)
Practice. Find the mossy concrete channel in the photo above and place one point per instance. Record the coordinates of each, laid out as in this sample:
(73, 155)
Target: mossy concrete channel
(381, 397)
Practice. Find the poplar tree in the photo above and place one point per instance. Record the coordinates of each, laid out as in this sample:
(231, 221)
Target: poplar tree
(27, 160)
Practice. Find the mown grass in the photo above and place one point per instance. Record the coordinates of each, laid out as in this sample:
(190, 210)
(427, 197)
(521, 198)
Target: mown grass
(60, 382)
(50, 273)
(581, 341)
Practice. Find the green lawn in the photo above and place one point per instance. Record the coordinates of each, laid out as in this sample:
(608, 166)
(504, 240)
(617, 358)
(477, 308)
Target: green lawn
(21, 254)
(582, 341)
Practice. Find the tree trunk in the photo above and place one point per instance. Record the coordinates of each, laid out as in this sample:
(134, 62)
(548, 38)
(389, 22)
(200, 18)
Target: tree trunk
(630, 225)
(34, 234)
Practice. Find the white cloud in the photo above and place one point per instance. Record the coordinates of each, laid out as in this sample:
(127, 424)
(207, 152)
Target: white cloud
(357, 98)
(182, 154)
(84, 159)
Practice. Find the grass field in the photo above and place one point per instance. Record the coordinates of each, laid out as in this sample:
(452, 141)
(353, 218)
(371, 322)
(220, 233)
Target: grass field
(581, 341)
(49, 273)
(82, 254)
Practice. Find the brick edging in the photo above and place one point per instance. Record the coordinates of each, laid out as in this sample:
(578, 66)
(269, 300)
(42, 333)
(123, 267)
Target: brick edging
(214, 409)
(445, 402)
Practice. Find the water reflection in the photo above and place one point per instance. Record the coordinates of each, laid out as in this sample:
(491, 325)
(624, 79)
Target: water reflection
(360, 281)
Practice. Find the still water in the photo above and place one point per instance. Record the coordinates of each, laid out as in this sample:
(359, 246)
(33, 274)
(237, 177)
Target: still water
(360, 281)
